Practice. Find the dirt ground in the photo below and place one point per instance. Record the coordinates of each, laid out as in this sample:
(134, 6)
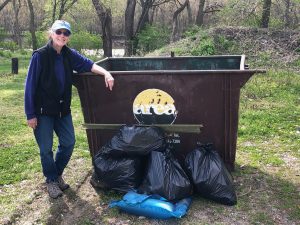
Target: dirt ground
(83, 204)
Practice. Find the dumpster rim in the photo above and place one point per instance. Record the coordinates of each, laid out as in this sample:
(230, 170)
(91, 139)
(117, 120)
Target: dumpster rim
(186, 72)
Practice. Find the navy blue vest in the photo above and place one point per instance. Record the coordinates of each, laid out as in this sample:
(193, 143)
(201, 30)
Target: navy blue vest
(48, 101)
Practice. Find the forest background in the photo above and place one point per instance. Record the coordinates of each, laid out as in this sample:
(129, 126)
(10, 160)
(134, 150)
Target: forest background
(141, 25)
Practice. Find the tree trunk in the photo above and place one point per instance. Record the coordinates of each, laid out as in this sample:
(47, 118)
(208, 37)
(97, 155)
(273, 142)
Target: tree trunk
(151, 16)
(189, 12)
(175, 21)
(287, 17)
(65, 5)
(144, 18)
(104, 16)
(32, 25)
(4, 4)
(107, 33)
(200, 14)
(54, 10)
(129, 26)
(16, 26)
(266, 14)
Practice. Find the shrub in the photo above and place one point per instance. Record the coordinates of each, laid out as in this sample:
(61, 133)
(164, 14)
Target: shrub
(222, 44)
(5, 54)
(85, 40)
(9, 45)
(41, 37)
(3, 33)
(191, 31)
(205, 47)
(152, 37)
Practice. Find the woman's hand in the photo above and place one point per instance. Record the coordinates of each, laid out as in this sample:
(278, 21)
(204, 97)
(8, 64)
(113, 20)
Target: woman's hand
(32, 123)
(109, 81)
(108, 78)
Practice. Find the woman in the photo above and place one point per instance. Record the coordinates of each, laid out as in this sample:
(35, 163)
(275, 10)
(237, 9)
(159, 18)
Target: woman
(48, 98)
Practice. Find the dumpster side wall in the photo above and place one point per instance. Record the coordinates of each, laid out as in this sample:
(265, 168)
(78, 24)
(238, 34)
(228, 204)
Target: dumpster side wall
(210, 99)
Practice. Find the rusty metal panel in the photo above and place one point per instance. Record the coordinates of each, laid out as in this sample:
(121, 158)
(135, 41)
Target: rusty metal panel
(207, 97)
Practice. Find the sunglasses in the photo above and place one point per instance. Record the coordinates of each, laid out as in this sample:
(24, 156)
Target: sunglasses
(65, 33)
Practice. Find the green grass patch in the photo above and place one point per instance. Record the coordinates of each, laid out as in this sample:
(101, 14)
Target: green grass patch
(19, 154)
(270, 109)
(6, 60)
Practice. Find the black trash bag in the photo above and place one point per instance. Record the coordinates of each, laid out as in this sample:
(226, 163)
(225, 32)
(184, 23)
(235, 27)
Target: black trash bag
(209, 175)
(135, 140)
(165, 177)
(120, 174)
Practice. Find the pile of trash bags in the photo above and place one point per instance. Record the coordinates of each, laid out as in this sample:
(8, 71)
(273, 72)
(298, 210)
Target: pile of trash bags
(139, 161)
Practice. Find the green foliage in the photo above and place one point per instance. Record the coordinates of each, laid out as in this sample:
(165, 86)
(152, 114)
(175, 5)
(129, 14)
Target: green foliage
(296, 63)
(84, 40)
(152, 37)
(3, 33)
(205, 47)
(191, 31)
(222, 44)
(9, 45)
(41, 37)
(250, 21)
(5, 54)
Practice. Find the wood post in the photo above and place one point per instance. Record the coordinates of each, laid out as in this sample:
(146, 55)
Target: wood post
(14, 65)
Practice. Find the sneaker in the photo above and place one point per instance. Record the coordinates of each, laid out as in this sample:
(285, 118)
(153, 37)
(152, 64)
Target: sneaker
(53, 189)
(62, 184)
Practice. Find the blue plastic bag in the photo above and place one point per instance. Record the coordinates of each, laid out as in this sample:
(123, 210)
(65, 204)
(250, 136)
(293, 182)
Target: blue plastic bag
(152, 206)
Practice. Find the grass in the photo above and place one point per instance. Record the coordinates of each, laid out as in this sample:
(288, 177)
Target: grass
(267, 175)
(6, 56)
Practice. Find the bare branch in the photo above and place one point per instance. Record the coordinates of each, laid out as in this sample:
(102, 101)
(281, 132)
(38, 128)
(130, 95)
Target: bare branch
(4, 4)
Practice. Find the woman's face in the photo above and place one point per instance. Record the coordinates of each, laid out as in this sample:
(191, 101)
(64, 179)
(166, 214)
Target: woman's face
(60, 37)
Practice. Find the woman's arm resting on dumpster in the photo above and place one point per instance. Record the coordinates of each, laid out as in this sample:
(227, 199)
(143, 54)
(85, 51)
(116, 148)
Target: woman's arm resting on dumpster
(109, 80)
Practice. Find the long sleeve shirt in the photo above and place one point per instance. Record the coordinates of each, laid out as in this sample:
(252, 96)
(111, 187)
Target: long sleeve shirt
(79, 63)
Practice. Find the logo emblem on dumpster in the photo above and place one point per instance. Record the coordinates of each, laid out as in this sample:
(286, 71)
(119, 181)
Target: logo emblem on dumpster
(154, 106)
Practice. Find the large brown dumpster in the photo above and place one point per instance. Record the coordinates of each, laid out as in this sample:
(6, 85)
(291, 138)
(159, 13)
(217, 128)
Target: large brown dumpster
(168, 90)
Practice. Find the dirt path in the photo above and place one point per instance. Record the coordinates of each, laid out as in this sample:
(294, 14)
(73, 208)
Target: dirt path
(258, 203)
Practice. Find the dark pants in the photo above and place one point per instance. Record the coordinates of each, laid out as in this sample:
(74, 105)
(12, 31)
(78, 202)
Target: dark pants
(63, 127)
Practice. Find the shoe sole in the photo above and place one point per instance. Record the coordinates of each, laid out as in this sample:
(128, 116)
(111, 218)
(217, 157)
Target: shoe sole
(65, 188)
(55, 197)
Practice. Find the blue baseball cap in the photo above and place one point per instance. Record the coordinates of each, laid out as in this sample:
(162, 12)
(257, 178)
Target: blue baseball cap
(61, 24)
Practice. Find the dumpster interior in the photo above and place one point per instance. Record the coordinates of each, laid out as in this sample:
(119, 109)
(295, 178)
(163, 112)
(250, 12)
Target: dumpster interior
(173, 63)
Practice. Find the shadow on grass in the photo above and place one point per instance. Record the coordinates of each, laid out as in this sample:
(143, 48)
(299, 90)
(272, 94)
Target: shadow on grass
(263, 198)
(72, 210)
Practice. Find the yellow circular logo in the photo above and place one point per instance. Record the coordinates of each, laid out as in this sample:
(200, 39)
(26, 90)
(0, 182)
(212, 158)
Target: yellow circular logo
(154, 106)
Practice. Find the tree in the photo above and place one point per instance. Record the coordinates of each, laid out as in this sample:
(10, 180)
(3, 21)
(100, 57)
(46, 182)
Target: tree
(104, 15)
(129, 27)
(175, 20)
(130, 35)
(266, 14)
(4, 4)
(189, 12)
(16, 26)
(200, 13)
(32, 25)
(146, 6)
(287, 13)
(60, 7)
